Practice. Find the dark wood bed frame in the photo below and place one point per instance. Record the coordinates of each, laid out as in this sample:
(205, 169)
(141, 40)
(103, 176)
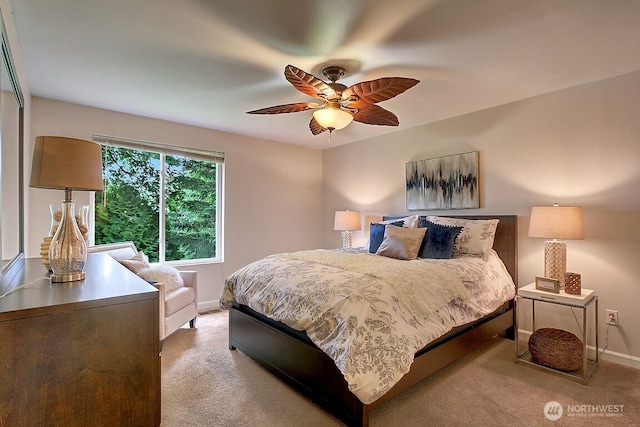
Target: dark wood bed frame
(291, 356)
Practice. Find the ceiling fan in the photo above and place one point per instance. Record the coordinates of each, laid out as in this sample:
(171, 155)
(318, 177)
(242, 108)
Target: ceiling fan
(338, 104)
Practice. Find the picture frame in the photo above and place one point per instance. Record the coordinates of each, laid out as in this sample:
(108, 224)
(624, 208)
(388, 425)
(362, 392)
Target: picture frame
(548, 285)
(448, 182)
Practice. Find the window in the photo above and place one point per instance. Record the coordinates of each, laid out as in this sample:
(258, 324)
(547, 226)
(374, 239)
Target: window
(165, 199)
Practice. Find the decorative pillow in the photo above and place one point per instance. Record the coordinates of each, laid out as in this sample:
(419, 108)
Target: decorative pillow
(476, 237)
(401, 242)
(376, 233)
(166, 274)
(439, 242)
(138, 262)
(409, 221)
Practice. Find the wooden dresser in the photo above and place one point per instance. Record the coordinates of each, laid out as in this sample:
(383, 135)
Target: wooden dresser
(82, 353)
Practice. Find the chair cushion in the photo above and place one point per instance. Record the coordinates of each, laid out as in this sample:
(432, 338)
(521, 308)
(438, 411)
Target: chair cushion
(166, 274)
(137, 263)
(120, 250)
(122, 253)
(175, 300)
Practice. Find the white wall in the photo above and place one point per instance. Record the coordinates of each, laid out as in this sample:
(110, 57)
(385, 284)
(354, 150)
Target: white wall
(579, 146)
(273, 191)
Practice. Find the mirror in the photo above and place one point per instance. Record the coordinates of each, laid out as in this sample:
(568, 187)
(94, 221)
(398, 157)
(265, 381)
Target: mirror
(11, 167)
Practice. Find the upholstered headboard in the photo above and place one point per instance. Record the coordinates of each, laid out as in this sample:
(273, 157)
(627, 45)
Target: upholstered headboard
(505, 242)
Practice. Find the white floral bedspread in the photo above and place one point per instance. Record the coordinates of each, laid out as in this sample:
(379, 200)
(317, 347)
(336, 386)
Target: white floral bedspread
(369, 322)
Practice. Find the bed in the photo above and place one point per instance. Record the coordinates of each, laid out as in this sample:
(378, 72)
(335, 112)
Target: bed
(293, 356)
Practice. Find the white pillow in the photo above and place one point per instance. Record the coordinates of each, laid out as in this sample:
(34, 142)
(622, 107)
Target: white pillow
(409, 221)
(476, 237)
(136, 263)
(166, 274)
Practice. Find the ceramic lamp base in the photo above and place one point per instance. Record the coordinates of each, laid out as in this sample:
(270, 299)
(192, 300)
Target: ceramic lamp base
(347, 239)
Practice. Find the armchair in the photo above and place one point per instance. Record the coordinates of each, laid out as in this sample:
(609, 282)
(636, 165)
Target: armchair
(177, 307)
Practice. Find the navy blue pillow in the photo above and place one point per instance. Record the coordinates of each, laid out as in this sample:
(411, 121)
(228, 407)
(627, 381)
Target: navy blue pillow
(439, 242)
(376, 234)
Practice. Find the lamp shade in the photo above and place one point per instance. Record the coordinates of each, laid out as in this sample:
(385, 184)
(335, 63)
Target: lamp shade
(556, 222)
(66, 163)
(332, 118)
(347, 220)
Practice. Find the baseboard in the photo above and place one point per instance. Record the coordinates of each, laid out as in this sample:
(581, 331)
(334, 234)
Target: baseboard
(208, 305)
(608, 355)
(621, 358)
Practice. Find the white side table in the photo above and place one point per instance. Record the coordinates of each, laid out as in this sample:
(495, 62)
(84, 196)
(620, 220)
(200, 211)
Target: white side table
(586, 299)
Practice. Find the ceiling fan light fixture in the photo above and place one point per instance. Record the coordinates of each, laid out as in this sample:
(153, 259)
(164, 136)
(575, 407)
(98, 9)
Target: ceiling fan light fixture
(332, 118)
(340, 105)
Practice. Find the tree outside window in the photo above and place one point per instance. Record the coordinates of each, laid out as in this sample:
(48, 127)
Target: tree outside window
(165, 204)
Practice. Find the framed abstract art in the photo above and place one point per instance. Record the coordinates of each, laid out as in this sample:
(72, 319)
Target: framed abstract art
(449, 182)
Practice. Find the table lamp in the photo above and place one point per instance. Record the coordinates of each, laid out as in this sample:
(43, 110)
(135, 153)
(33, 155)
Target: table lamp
(347, 221)
(556, 222)
(67, 164)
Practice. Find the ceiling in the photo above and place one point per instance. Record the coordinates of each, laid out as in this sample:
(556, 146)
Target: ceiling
(206, 62)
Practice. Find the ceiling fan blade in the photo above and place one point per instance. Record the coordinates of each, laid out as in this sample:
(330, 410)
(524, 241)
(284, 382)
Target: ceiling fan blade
(307, 83)
(286, 108)
(374, 91)
(373, 114)
(315, 127)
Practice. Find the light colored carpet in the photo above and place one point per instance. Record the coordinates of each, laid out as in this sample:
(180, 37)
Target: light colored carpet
(206, 384)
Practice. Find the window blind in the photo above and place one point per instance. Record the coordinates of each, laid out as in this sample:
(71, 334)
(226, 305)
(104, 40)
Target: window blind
(156, 147)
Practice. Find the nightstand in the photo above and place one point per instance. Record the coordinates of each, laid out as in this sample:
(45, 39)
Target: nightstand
(587, 299)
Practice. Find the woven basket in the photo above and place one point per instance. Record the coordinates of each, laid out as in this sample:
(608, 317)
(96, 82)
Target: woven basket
(556, 349)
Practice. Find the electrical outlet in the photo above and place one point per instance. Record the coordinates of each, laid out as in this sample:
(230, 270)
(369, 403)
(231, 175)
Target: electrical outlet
(612, 317)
